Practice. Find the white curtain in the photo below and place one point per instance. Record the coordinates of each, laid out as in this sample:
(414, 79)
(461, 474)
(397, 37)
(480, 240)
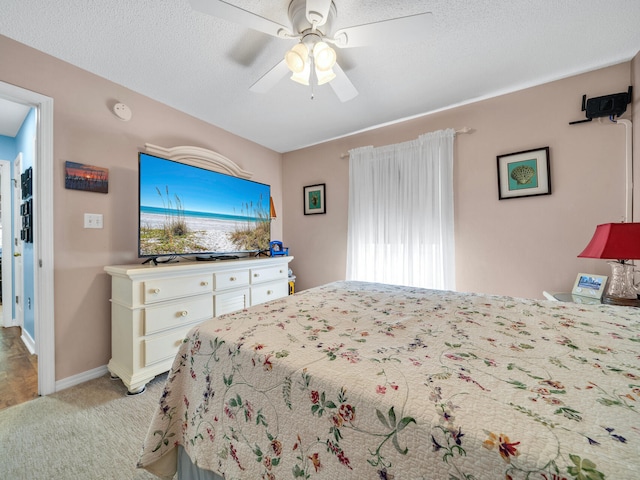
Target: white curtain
(401, 213)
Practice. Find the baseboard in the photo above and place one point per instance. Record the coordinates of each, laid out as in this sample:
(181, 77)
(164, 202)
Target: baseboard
(28, 341)
(80, 378)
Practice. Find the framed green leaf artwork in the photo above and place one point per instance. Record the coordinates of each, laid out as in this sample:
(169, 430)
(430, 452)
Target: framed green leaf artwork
(524, 174)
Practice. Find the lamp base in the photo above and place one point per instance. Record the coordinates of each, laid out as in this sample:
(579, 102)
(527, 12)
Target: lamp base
(621, 286)
(627, 302)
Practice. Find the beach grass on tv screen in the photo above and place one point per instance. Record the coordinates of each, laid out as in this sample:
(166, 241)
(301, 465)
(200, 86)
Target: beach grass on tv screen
(175, 235)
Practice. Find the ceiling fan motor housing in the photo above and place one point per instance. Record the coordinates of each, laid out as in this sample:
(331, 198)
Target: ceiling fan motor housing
(300, 23)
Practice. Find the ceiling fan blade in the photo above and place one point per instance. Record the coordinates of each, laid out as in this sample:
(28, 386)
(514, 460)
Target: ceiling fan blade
(317, 11)
(397, 30)
(231, 13)
(342, 86)
(269, 79)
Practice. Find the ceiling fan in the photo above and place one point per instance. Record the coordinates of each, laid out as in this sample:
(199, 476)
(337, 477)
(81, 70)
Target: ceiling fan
(312, 58)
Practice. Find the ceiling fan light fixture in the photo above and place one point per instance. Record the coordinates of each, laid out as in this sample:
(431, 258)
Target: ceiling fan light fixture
(324, 76)
(324, 57)
(302, 77)
(297, 57)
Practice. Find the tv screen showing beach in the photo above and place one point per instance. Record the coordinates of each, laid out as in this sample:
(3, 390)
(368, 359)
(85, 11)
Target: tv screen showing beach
(187, 210)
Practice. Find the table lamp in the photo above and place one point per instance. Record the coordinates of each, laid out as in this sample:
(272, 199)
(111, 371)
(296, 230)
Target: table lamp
(619, 242)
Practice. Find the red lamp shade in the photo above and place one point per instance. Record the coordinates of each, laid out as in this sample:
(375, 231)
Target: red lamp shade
(619, 241)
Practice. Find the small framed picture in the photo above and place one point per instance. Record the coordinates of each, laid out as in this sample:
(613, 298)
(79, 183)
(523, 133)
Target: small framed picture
(78, 176)
(314, 199)
(524, 174)
(589, 285)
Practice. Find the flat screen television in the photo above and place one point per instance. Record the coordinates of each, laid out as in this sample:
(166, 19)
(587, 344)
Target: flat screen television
(186, 210)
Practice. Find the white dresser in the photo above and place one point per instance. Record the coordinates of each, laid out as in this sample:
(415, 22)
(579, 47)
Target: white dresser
(154, 306)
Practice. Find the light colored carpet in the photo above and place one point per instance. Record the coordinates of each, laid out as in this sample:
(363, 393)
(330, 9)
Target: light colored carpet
(90, 431)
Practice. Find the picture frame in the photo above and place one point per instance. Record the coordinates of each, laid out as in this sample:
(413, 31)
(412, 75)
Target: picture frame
(26, 182)
(315, 201)
(589, 285)
(26, 214)
(78, 176)
(524, 174)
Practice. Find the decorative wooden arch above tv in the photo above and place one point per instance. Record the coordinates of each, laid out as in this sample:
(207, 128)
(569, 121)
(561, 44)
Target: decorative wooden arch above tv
(199, 157)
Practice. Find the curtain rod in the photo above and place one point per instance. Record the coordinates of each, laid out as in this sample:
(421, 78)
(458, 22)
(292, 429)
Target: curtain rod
(462, 130)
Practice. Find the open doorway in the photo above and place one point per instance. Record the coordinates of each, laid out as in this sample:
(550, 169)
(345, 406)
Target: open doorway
(18, 358)
(42, 262)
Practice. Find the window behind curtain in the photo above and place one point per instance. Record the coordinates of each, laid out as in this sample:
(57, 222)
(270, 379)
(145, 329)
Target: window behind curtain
(401, 213)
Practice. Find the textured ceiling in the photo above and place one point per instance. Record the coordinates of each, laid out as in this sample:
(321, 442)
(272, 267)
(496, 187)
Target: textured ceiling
(204, 66)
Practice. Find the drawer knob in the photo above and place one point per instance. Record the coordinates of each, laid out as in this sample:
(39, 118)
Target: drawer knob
(269, 292)
(204, 284)
(184, 313)
(155, 291)
(232, 279)
(256, 275)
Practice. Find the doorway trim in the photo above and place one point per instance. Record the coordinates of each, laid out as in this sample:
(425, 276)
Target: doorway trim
(7, 221)
(17, 269)
(44, 313)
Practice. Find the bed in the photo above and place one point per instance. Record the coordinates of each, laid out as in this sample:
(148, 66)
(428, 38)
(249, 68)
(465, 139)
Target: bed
(356, 380)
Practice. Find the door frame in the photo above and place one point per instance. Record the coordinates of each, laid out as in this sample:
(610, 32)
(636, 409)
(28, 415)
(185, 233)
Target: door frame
(44, 313)
(17, 269)
(7, 240)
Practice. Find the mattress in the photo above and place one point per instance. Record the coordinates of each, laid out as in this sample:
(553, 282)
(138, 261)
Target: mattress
(357, 380)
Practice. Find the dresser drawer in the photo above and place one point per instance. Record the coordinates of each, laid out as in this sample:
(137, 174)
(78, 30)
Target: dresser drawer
(260, 275)
(164, 347)
(267, 292)
(226, 280)
(231, 301)
(168, 288)
(174, 314)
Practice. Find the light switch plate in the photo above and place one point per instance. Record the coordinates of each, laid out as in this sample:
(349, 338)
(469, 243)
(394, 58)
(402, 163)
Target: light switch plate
(93, 220)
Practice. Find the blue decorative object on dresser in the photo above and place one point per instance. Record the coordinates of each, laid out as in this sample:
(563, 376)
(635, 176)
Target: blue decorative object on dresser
(276, 248)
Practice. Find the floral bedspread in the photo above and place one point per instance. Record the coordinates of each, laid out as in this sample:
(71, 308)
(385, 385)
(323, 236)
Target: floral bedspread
(367, 381)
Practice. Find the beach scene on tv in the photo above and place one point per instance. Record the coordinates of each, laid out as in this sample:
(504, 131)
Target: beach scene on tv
(186, 210)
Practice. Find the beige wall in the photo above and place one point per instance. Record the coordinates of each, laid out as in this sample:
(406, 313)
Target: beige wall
(517, 247)
(86, 131)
